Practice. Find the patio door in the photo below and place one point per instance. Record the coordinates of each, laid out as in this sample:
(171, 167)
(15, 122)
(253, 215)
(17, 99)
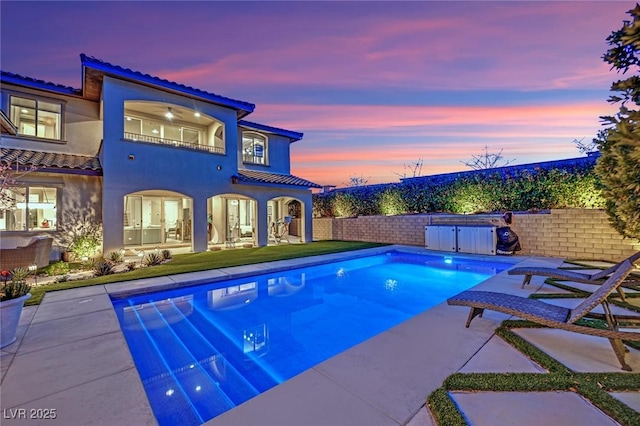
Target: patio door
(240, 219)
(156, 220)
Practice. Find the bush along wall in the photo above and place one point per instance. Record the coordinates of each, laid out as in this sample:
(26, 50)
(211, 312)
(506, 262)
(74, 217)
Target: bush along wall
(483, 192)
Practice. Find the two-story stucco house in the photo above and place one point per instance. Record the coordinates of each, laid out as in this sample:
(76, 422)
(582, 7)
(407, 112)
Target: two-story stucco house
(156, 163)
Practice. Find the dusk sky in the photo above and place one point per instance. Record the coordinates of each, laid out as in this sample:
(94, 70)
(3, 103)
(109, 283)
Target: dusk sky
(374, 86)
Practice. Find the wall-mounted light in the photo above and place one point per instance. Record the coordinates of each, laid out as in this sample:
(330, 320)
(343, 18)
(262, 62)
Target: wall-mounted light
(197, 114)
(169, 113)
(219, 168)
(132, 157)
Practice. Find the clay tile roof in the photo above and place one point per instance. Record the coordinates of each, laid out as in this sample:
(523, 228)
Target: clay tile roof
(294, 136)
(251, 176)
(51, 160)
(9, 77)
(103, 66)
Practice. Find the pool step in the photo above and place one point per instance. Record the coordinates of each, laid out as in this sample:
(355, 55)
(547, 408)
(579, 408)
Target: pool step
(249, 366)
(186, 379)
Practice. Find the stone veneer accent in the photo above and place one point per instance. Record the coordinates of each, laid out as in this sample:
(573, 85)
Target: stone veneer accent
(573, 233)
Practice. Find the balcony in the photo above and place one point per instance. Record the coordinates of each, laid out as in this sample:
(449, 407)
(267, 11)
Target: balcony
(135, 137)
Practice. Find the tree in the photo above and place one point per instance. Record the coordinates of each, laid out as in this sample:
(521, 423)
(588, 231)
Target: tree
(357, 180)
(619, 164)
(487, 160)
(584, 147)
(9, 176)
(414, 168)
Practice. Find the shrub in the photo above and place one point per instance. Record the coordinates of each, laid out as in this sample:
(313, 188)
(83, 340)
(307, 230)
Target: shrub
(116, 256)
(576, 187)
(17, 287)
(56, 268)
(85, 246)
(63, 278)
(153, 259)
(103, 267)
(166, 254)
(391, 202)
(19, 274)
(131, 266)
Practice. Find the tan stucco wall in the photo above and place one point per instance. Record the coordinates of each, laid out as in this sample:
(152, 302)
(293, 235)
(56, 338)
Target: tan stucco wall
(576, 233)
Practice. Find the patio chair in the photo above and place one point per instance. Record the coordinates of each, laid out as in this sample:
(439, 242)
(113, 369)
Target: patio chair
(559, 317)
(563, 274)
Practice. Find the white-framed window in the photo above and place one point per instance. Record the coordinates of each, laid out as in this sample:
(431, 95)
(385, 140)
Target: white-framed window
(254, 148)
(29, 208)
(35, 117)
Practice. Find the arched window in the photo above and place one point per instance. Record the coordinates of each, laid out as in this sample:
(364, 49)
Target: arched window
(254, 148)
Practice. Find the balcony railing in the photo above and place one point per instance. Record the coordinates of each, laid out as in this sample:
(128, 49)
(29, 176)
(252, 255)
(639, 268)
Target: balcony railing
(171, 142)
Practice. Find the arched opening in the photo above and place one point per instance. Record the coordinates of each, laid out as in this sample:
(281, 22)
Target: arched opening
(285, 220)
(231, 219)
(169, 124)
(157, 218)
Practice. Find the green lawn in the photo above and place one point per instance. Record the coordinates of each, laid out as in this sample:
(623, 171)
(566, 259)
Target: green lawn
(192, 262)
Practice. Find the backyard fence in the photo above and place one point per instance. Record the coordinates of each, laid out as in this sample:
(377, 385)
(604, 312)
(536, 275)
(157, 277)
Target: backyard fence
(571, 233)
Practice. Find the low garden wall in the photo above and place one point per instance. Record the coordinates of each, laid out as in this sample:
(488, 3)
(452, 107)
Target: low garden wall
(571, 233)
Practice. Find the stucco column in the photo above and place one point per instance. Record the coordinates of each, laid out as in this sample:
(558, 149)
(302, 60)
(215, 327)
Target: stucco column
(307, 213)
(261, 224)
(112, 220)
(199, 230)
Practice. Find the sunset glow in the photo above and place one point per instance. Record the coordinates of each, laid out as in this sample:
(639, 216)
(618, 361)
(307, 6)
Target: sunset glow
(374, 86)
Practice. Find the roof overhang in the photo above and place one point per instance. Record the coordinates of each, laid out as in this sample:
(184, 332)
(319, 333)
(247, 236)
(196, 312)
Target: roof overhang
(94, 70)
(251, 177)
(51, 161)
(6, 126)
(291, 135)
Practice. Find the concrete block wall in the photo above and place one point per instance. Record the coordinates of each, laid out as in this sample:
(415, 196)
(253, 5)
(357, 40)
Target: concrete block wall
(573, 234)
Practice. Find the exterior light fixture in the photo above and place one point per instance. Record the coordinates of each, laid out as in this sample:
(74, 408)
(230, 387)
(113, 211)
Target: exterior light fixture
(141, 256)
(33, 268)
(197, 114)
(169, 113)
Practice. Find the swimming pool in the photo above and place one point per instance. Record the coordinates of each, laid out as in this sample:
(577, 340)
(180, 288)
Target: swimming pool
(203, 350)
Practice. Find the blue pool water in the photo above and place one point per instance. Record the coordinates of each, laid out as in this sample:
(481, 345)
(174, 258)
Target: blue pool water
(203, 350)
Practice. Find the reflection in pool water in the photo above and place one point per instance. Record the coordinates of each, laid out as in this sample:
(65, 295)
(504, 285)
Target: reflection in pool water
(205, 349)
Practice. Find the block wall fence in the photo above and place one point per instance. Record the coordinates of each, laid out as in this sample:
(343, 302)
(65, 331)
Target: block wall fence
(572, 234)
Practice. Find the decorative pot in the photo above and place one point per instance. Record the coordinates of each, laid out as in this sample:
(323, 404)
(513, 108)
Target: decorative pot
(68, 256)
(10, 311)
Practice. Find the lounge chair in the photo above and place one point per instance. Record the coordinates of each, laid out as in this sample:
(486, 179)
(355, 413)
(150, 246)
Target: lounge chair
(556, 316)
(563, 274)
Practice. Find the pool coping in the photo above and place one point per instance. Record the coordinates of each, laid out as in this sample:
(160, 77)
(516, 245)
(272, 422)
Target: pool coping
(384, 380)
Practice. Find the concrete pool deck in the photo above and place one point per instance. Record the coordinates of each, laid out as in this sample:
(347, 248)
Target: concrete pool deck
(72, 357)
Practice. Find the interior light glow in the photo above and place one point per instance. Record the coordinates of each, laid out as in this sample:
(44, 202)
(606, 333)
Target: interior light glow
(198, 388)
(155, 131)
(448, 259)
(34, 205)
(169, 392)
(24, 111)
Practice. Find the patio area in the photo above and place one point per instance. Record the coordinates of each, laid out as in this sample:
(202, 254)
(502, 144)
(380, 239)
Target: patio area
(71, 357)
